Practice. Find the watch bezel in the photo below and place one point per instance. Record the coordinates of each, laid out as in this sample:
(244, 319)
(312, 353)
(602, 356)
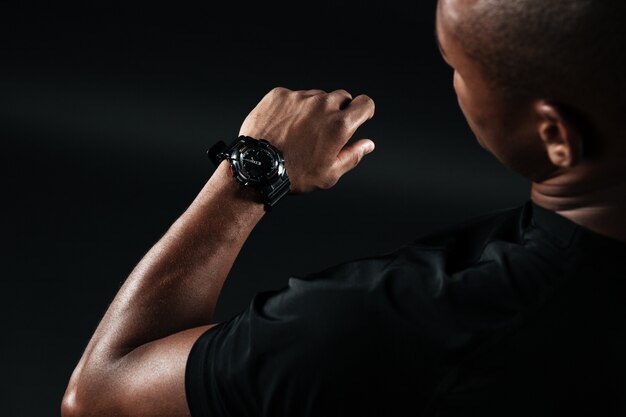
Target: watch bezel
(243, 176)
(276, 183)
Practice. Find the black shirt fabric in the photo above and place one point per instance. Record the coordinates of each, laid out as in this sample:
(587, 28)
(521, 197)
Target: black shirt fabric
(517, 313)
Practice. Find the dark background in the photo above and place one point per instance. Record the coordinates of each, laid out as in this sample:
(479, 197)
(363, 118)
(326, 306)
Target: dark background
(107, 109)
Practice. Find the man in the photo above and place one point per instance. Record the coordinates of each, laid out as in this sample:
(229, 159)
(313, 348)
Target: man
(520, 312)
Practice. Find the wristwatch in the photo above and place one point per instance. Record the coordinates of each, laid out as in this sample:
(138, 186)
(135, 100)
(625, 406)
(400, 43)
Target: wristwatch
(255, 163)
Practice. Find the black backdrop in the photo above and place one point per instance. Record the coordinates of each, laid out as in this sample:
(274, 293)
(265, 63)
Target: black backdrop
(106, 113)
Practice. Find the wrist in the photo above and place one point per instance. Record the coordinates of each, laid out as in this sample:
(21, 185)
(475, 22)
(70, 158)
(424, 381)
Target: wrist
(255, 163)
(225, 199)
(226, 183)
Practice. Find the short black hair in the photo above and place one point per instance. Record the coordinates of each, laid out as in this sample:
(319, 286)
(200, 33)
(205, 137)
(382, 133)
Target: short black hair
(550, 48)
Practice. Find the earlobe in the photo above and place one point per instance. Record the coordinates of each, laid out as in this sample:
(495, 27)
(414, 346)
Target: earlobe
(561, 139)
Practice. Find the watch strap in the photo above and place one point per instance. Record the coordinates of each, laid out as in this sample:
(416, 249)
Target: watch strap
(218, 152)
(214, 153)
(274, 192)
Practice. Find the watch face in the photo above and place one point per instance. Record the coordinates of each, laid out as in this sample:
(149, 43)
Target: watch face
(258, 163)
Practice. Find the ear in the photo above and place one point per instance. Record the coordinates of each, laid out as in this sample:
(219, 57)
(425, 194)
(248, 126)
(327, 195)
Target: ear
(562, 140)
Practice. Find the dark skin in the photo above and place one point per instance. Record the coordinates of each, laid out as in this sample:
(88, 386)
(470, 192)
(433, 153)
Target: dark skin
(134, 363)
(535, 137)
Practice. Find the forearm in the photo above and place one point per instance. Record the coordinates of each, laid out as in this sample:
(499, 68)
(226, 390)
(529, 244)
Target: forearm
(176, 285)
(135, 362)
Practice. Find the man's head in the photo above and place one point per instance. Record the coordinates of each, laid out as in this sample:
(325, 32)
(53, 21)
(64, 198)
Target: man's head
(540, 82)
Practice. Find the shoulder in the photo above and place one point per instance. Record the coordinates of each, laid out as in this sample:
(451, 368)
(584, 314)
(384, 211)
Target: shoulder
(404, 317)
(504, 224)
(421, 270)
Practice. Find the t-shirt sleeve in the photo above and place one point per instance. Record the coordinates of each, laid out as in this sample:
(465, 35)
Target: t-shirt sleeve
(289, 350)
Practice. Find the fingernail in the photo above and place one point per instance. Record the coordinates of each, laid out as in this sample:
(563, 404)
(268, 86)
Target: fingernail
(369, 147)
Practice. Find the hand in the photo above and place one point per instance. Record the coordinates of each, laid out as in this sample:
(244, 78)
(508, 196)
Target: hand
(312, 128)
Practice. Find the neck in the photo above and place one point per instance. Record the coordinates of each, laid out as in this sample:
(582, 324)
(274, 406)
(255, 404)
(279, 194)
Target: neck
(597, 206)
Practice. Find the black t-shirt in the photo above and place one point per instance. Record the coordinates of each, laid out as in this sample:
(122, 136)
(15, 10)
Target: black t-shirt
(520, 312)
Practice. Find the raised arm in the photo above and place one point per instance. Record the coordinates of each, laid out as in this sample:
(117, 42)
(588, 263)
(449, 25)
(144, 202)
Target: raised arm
(135, 361)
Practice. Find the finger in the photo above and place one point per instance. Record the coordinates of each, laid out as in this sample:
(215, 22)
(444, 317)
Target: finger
(340, 96)
(350, 156)
(309, 93)
(359, 110)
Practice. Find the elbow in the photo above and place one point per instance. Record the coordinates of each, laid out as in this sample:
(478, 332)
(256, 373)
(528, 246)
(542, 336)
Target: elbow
(72, 403)
(88, 396)
(70, 406)
(77, 400)
(75, 404)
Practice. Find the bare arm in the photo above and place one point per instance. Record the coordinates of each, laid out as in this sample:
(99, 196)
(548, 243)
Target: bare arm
(134, 363)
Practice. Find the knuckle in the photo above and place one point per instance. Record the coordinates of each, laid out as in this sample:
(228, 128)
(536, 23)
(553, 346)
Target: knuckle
(371, 103)
(342, 92)
(367, 99)
(322, 99)
(278, 91)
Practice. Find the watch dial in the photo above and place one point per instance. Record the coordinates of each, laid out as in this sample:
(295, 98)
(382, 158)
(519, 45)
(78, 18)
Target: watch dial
(258, 163)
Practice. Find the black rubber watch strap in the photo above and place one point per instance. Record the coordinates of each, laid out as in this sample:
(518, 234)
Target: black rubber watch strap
(274, 193)
(214, 152)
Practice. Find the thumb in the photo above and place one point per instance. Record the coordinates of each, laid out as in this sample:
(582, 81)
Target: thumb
(350, 156)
